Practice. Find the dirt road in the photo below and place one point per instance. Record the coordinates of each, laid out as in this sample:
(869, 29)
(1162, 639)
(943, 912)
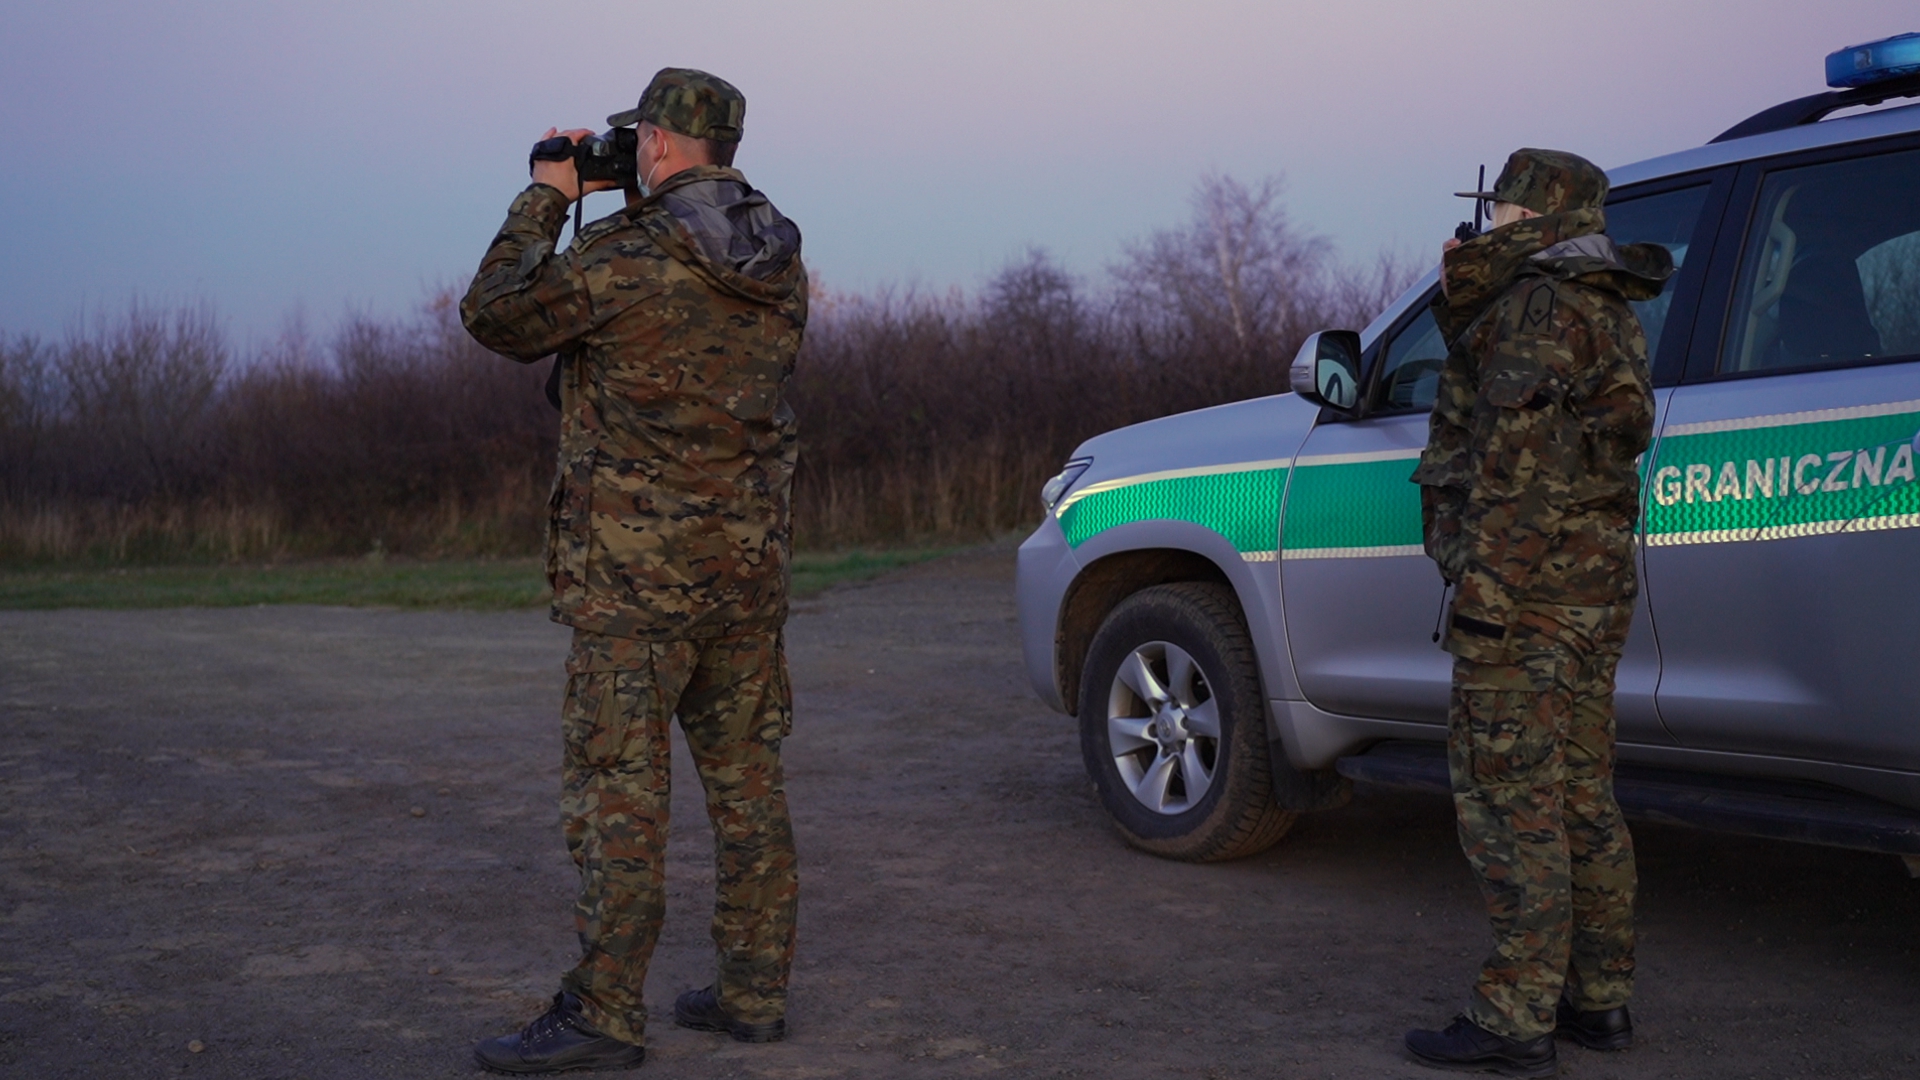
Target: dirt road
(316, 842)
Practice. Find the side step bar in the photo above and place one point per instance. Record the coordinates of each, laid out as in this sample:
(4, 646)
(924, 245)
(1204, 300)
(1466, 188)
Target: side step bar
(1775, 810)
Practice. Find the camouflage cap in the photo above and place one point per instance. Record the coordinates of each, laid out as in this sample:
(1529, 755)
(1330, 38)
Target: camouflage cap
(691, 103)
(1547, 182)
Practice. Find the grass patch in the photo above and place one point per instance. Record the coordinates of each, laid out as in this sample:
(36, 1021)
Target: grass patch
(815, 572)
(477, 584)
(450, 583)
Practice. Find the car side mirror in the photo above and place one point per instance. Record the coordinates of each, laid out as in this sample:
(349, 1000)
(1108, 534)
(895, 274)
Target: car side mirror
(1326, 370)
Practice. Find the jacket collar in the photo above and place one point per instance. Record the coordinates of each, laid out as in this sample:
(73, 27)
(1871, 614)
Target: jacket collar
(684, 177)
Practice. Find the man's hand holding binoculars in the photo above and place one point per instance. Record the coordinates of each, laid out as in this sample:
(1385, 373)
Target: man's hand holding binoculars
(564, 175)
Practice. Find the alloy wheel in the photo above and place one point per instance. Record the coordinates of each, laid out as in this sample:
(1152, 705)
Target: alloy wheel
(1163, 727)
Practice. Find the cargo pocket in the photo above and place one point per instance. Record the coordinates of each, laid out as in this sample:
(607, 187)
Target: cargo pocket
(595, 720)
(1479, 620)
(1511, 721)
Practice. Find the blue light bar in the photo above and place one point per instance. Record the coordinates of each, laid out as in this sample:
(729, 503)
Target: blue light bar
(1876, 61)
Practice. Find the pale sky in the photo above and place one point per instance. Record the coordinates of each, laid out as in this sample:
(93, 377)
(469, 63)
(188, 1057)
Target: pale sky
(271, 156)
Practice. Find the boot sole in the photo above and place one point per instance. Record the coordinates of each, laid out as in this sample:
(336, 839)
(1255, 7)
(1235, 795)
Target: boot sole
(632, 1060)
(747, 1033)
(1608, 1044)
(1504, 1068)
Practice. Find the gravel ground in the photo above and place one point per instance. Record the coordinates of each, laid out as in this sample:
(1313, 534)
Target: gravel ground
(322, 842)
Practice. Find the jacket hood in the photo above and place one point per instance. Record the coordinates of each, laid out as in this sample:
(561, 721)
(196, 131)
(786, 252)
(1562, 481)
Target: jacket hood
(716, 222)
(1636, 271)
(1571, 246)
(1478, 271)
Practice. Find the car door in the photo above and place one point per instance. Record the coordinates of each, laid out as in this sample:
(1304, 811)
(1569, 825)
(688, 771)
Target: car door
(1782, 536)
(1362, 599)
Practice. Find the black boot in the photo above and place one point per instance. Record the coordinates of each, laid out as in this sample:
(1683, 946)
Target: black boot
(701, 1011)
(1468, 1047)
(1601, 1029)
(559, 1040)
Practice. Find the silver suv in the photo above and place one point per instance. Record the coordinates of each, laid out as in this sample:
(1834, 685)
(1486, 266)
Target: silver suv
(1235, 603)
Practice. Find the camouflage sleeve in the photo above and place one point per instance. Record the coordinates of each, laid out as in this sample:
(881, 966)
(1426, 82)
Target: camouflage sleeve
(1615, 398)
(528, 300)
(1528, 444)
(1453, 321)
(1445, 464)
(1465, 272)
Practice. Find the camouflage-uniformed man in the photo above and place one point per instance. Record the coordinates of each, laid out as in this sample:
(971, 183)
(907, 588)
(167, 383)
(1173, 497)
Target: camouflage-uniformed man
(1530, 492)
(676, 322)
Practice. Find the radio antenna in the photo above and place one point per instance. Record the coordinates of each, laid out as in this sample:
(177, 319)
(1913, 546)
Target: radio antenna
(1479, 205)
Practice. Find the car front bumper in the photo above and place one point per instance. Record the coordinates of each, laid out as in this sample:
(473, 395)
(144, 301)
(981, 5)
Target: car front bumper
(1047, 567)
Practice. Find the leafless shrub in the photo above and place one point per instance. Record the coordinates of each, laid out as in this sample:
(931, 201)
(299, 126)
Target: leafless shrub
(29, 403)
(137, 438)
(923, 417)
(942, 415)
(138, 390)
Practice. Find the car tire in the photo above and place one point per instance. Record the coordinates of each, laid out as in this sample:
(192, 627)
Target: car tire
(1173, 729)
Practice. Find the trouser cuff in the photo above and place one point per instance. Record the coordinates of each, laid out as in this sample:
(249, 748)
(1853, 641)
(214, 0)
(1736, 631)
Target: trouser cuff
(628, 1028)
(1502, 1025)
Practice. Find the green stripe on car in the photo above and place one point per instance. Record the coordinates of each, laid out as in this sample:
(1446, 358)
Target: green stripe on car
(1243, 506)
(1742, 480)
(1793, 474)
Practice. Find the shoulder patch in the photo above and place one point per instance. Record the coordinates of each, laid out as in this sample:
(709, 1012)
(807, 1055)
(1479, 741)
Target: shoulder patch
(1536, 315)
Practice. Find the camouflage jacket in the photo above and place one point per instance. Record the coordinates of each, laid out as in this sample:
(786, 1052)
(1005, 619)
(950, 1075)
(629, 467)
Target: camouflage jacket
(677, 321)
(1529, 482)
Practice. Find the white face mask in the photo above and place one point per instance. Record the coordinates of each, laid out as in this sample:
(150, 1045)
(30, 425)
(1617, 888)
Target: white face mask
(640, 154)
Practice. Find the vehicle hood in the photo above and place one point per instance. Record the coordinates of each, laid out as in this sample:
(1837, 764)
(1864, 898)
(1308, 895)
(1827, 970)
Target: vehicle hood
(1243, 432)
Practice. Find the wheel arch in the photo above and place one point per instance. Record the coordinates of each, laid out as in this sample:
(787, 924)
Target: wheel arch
(1100, 587)
(1116, 565)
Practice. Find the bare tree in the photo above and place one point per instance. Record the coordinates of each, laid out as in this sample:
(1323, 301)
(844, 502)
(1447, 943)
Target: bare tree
(1354, 294)
(1237, 265)
(1034, 301)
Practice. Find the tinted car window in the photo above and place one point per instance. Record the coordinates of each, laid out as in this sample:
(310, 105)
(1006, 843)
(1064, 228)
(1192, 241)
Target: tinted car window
(1830, 275)
(1410, 375)
(1667, 219)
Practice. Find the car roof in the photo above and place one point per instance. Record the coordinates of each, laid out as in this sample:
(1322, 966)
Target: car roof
(1900, 120)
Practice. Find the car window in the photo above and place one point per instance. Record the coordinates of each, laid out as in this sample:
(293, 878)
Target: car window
(1410, 376)
(1831, 271)
(1410, 373)
(1667, 219)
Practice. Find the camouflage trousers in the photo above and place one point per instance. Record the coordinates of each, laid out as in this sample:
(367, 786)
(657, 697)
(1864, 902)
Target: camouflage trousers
(734, 706)
(1530, 749)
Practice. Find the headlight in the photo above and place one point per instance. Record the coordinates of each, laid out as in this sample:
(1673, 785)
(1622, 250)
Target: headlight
(1057, 488)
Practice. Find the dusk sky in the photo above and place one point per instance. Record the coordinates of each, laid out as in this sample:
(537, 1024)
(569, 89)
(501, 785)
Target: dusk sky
(351, 156)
